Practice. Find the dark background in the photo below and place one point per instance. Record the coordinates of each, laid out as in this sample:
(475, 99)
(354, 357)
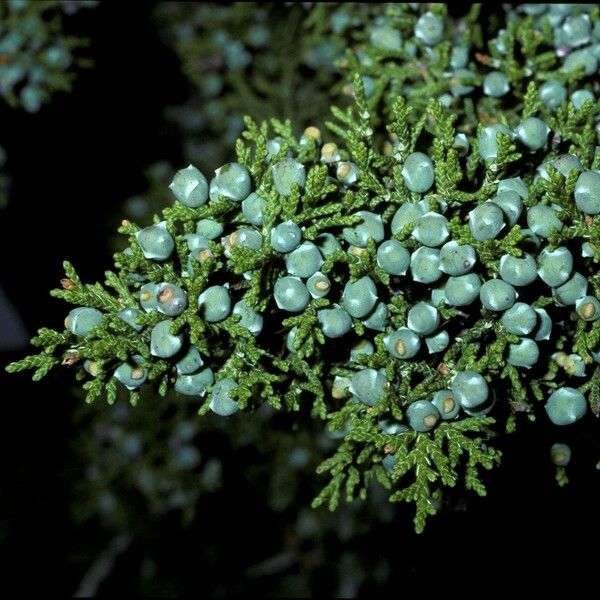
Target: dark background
(72, 166)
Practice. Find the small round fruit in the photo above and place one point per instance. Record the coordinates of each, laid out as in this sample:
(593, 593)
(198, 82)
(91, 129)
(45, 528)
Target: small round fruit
(304, 261)
(588, 308)
(360, 297)
(340, 387)
(581, 58)
(327, 243)
(532, 132)
(369, 386)
(330, 153)
(362, 348)
(286, 237)
(438, 295)
(162, 342)
(438, 342)
(233, 181)
(195, 384)
(221, 401)
(469, 389)
(209, 229)
(131, 376)
(587, 192)
(565, 406)
(554, 268)
(377, 320)
(130, 315)
(393, 257)
(250, 319)
(459, 57)
(429, 29)
(335, 322)
(287, 173)
(81, 320)
(552, 94)
(347, 172)
(190, 187)
(425, 265)
(423, 318)
(370, 228)
(542, 220)
(511, 204)
(560, 454)
(406, 215)
(418, 172)
(517, 270)
(242, 238)
(148, 296)
(447, 406)
(575, 31)
(462, 290)
(488, 142)
(578, 97)
(171, 300)
(519, 319)
(318, 285)
(457, 259)
(514, 184)
(386, 38)
(402, 343)
(422, 415)
(544, 327)
(486, 221)
(571, 291)
(214, 303)
(525, 354)
(291, 294)
(155, 241)
(252, 208)
(496, 294)
(495, 84)
(431, 229)
(190, 362)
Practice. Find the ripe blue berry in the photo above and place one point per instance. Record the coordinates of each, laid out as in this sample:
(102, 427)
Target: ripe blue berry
(532, 132)
(431, 229)
(393, 257)
(552, 94)
(564, 164)
(511, 204)
(469, 389)
(386, 38)
(148, 296)
(423, 318)
(542, 220)
(327, 243)
(155, 241)
(162, 342)
(129, 315)
(565, 406)
(462, 82)
(447, 406)
(286, 237)
(131, 376)
(289, 340)
(407, 214)
(369, 386)
(361, 348)
(370, 228)
(287, 173)
(519, 319)
(335, 322)
(194, 384)
(214, 303)
(560, 454)
(304, 261)
(578, 98)
(457, 259)
(377, 320)
(571, 291)
(488, 143)
(425, 265)
(250, 319)
(524, 354)
(347, 172)
(81, 320)
(422, 415)
(233, 181)
(575, 31)
(554, 268)
(581, 58)
(243, 238)
(588, 308)
(587, 193)
(209, 229)
(438, 342)
(518, 270)
(252, 208)
(418, 172)
(429, 29)
(190, 187)
(462, 290)
(171, 300)
(291, 294)
(459, 57)
(496, 294)
(544, 328)
(515, 184)
(359, 297)
(318, 285)
(221, 401)
(402, 343)
(495, 84)
(486, 221)
(190, 362)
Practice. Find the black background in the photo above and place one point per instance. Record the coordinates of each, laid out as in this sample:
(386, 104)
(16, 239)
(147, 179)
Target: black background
(72, 166)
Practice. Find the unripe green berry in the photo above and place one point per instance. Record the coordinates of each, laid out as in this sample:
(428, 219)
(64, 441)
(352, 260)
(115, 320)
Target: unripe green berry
(402, 343)
(360, 297)
(250, 319)
(194, 384)
(81, 320)
(162, 342)
(524, 354)
(425, 265)
(171, 300)
(486, 221)
(418, 172)
(221, 401)
(291, 294)
(393, 257)
(588, 308)
(587, 193)
(214, 303)
(511, 204)
(457, 259)
(431, 229)
(370, 228)
(518, 270)
(447, 406)
(190, 362)
(560, 455)
(304, 261)
(542, 220)
(233, 181)
(469, 389)
(519, 319)
(565, 406)
(554, 268)
(462, 290)
(571, 291)
(369, 386)
(495, 84)
(287, 173)
(335, 322)
(422, 415)
(252, 208)
(496, 294)
(286, 237)
(423, 318)
(532, 132)
(190, 187)
(155, 241)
